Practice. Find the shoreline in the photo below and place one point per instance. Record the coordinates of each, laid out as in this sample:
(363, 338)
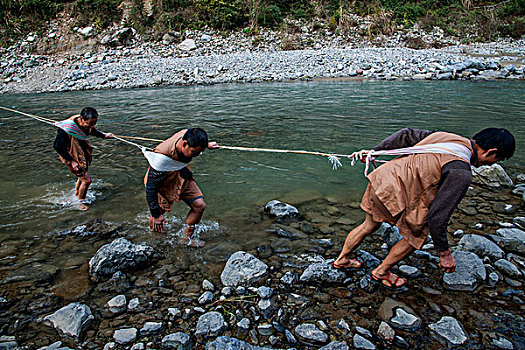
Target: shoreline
(158, 64)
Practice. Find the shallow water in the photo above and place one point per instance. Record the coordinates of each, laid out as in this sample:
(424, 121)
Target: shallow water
(36, 190)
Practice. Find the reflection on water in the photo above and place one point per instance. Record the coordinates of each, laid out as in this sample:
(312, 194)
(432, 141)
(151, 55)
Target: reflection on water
(36, 190)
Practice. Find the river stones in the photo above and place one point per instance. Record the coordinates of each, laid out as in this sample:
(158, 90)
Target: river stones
(470, 272)
(227, 343)
(210, 324)
(119, 255)
(310, 333)
(481, 246)
(361, 342)
(491, 175)
(508, 268)
(243, 269)
(178, 340)
(449, 331)
(512, 239)
(125, 335)
(72, 319)
(405, 321)
(98, 228)
(117, 304)
(322, 273)
(335, 345)
(281, 210)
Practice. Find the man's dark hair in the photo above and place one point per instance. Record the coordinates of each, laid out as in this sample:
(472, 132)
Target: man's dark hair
(89, 113)
(498, 138)
(196, 137)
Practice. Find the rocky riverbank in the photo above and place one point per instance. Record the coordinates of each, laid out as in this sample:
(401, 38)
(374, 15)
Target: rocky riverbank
(273, 296)
(119, 59)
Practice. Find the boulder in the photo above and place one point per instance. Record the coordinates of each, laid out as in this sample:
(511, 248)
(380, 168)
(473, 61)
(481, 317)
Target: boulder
(119, 255)
(72, 319)
(470, 272)
(481, 246)
(322, 273)
(491, 175)
(243, 269)
(281, 210)
(179, 341)
(512, 239)
(210, 324)
(449, 331)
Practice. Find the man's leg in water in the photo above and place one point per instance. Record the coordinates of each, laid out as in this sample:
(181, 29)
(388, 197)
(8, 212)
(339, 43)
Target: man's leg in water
(197, 207)
(85, 181)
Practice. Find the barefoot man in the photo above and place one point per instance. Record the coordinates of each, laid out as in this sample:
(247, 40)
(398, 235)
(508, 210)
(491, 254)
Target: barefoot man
(75, 151)
(419, 192)
(163, 188)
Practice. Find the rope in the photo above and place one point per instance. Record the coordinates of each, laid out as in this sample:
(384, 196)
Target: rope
(42, 119)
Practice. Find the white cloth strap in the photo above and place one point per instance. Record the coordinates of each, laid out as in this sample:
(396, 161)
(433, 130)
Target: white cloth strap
(161, 162)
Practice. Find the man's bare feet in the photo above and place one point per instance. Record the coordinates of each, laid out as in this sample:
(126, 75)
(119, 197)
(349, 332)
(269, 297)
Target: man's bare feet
(192, 242)
(83, 207)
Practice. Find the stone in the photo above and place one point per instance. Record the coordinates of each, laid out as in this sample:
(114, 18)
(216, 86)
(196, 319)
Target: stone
(210, 324)
(117, 304)
(390, 234)
(208, 286)
(138, 346)
(9, 345)
(134, 305)
(481, 246)
(491, 175)
(502, 343)
(364, 332)
(519, 221)
(244, 324)
(449, 331)
(187, 45)
(243, 269)
(290, 337)
(322, 273)
(265, 292)
(470, 272)
(386, 332)
(508, 268)
(360, 342)
(205, 298)
(370, 261)
(335, 345)
(267, 307)
(72, 319)
(493, 279)
(512, 239)
(409, 271)
(405, 321)
(125, 336)
(152, 328)
(265, 329)
(119, 255)
(174, 313)
(179, 341)
(310, 333)
(289, 278)
(227, 343)
(280, 210)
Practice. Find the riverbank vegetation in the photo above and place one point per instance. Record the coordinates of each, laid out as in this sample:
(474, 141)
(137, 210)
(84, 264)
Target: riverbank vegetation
(478, 20)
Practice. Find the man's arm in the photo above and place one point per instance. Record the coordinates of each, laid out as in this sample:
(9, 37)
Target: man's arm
(455, 180)
(61, 145)
(155, 179)
(97, 133)
(406, 137)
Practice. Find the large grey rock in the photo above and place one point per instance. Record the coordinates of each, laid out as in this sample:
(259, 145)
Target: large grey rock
(361, 342)
(508, 268)
(491, 175)
(280, 210)
(119, 255)
(125, 335)
(243, 269)
(512, 239)
(470, 272)
(405, 321)
(449, 331)
(72, 319)
(370, 261)
(322, 273)
(179, 341)
(311, 333)
(227, 343)
(390, 234)
(481, 246)
(335, 345)
(210, 324)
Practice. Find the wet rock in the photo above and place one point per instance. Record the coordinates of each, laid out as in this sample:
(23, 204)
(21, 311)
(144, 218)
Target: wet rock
(280, 210)
(405, 321)
(208, 286)
(8, 343)
(512, 239)
(174, 313)
(491, 175)
(264, 292)
(125, 335)
(481, 246)
(310, 333)
(370, 261)
(35, 272)
(267, 307)
(449, 331)
(335, 345)
(117, 304)
(289, 278)
(502, 343)
(390, 234)
(151, 328)
(265, 329)
(205, 298)
(290, 337)
(210, 324)
(243, 269)
(493, 279)
(470, 272)
(366, 284)
(409, 271)
(365, 332)
(118, 283)
(227, 343)
(508, 268)
(244, 324)
(72, 319)
(98, 228)
(362, 343)
(386, 332)
(187, 45)
(322, 273)
(519, 221)
(119, 255)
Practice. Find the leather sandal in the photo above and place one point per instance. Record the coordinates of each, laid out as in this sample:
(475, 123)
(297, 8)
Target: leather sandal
(390, 284)
(350, 264)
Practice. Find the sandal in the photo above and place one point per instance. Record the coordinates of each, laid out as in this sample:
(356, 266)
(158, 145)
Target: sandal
(350, 264)
(390, 284)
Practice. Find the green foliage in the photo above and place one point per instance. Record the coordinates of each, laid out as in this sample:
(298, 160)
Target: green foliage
(99, 12)
(223, 14)
(270, 16)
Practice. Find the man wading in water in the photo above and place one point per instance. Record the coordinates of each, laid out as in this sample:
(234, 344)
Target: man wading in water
(163, 188)
(75, 151)
(419, 192)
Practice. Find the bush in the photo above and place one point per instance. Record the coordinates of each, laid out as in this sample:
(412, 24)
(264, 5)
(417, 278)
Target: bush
(102, 13)
(270, 16)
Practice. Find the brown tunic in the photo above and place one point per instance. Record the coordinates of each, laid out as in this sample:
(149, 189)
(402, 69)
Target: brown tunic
(82, 156)
(401, 191)
(175, 186)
